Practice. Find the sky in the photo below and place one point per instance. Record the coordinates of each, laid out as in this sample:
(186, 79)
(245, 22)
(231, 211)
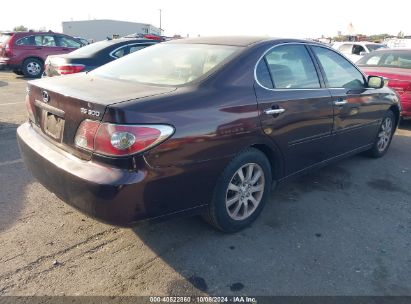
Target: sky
(276, 18)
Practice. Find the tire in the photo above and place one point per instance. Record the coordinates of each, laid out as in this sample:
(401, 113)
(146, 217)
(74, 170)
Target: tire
(234, 205)
(18, 72)
(32, 68)
(385, 133)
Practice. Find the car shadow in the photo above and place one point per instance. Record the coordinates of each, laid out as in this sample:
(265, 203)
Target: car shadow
(321, 234)
(405, 125)
(14, 178)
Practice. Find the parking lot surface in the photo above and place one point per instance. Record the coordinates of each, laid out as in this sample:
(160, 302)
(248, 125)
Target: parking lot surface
(342, 230)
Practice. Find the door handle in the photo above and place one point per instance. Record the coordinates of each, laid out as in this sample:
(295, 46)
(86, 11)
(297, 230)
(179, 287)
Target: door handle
(274, 111)
(340, 102)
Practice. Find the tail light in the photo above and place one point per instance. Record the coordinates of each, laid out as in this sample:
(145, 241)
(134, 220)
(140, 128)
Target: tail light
(70, 68)
(8, 52)
(120, 140)
(29, 106)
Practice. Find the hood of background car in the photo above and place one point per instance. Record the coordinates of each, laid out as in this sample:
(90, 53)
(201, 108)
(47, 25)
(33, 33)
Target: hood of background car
(391, 73)
(104, 91)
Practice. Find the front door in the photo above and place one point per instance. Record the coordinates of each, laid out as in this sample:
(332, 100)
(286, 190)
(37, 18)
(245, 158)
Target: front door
(295, 108)
(356, 111)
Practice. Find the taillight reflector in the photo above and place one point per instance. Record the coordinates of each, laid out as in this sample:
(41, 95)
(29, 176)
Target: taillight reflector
(70, 69)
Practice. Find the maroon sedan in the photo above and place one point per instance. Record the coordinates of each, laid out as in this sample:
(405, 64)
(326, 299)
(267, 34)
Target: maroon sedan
(201, 126)
(395, 65)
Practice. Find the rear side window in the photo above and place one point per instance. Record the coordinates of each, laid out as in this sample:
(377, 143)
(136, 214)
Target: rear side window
(339, 72)
(135, 48)
(120, 52)
(28, 40)
(45, 40)
(263, 74)
(290, 67)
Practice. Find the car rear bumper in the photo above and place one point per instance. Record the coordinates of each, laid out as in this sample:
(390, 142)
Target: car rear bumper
(6, 63)
(105, 193)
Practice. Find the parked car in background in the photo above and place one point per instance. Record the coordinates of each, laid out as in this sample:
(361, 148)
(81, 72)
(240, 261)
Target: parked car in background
(395, 65)
(83, 41)
(92, 56)
(201, 125)
(25, 52)
(356, 50)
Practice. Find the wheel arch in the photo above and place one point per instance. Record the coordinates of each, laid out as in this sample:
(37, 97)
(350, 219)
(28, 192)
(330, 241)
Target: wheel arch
(33, 57)
(274, 157)
(395, 109)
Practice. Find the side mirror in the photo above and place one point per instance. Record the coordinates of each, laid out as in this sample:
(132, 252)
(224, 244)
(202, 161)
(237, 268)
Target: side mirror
(375, 82)
(363, 53)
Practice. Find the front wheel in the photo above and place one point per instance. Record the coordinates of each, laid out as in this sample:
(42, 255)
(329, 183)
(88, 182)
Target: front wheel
(241, 191)
(384, 136)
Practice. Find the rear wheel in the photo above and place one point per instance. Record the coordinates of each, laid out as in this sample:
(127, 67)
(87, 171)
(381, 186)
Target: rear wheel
(241, 192)
(384, 136)
(32, 68)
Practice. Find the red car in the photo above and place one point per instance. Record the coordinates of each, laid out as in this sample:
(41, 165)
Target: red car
(25, 52)
(395, 65)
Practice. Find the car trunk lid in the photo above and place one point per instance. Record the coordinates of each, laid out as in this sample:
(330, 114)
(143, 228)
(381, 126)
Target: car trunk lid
(62, 103)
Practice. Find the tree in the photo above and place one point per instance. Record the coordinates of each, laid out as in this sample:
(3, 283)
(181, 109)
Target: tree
(20, 28)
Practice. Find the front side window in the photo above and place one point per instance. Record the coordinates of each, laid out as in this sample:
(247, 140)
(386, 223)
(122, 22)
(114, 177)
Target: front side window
(339, 72)
(168, 63)
(67, 42)
(290, 67)
(357, 49)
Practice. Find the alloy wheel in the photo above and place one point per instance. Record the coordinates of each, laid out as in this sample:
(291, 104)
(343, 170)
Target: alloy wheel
(384, 135)
(245, 191)
(33, 68)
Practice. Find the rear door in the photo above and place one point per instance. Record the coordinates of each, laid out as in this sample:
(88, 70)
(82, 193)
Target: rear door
(296, 109)
(356, 108)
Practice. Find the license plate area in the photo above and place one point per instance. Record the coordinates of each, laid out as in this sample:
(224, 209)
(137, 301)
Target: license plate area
(53, 125)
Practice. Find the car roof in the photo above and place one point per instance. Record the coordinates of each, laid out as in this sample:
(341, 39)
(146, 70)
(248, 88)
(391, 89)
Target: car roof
(121, 40)
(235, 40)
(394, 50)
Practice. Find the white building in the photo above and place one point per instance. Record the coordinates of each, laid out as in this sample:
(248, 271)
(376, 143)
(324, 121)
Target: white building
(101, 29)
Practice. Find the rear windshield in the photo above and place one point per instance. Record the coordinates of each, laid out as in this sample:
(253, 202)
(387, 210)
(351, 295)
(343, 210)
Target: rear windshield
(168, 64)
(394, 59)
(4, 38)
(373, 47)
(90, 49)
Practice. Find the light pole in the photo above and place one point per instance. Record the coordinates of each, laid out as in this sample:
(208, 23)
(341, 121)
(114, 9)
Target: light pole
(160, 22)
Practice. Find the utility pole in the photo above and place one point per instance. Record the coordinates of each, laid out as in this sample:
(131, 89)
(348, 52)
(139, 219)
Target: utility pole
(160, 22)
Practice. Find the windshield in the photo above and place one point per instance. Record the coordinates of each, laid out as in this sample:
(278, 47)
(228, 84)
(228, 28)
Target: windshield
(168, 64)
(395, 59)
(373, 47)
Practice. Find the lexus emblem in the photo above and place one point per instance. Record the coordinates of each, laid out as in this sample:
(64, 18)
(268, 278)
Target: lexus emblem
(45, 95)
